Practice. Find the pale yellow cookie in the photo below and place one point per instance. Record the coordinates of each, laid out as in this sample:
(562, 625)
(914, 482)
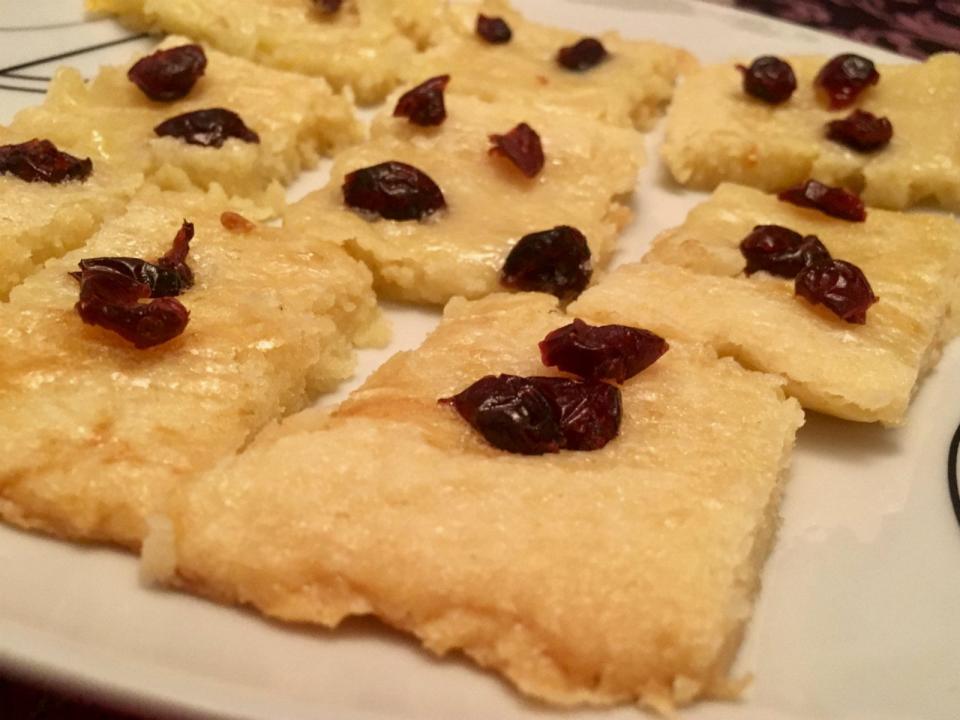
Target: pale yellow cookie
(39, 220)
(617, 575)
(691, 285)
(97, 435)
(716, 132)
(631, 87)
(297, 119)
(590, 168)
(364, 45)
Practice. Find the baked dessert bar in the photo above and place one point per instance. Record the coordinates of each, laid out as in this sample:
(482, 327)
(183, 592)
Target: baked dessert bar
(490, 204)
(631, 87)
(691, 285)
(295, 118)
(41, 220)
(97, 435)
(716, 132)
(584, 577)
(361, 45)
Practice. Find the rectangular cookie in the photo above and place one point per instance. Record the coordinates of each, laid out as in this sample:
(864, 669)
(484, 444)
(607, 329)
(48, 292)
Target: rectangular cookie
(617, 575)
(716, 132)
(589, 168)
(630, 88)
(363, 45)
(296, 118)
(691, 285)
(97, 435)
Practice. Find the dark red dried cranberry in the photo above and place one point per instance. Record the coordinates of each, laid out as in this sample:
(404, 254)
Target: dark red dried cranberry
(522, 147)
(423, 105)
(41, 161)
(781, 251)
(393, 190)
(553, 261)
(832, 201)
(327, 6)
(769, 79)
(537, 415)
(840, 286)
(168, 277)
(169, 74)
(607, 352)
(209, 128)
(493, 29)
(582, 55)
(861, 131)
(845, 77)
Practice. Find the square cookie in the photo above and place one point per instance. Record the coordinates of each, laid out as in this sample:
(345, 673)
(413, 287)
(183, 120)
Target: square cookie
(617, 575)
(39, 220)
(630, 88)
(590, 168)
(363, 45)
(97, 435)
(716, 132)
(691, 285)
(296, 118)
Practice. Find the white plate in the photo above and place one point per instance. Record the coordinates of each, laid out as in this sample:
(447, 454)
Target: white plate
(858, 619)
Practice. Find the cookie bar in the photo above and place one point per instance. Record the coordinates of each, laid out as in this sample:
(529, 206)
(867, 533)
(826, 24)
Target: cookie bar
(630, 88)
(96, 435)
(691, 285)
(716, 132)
(584, 577)
(363, 45)
(40, 220)
(296, 118)
(590, 166)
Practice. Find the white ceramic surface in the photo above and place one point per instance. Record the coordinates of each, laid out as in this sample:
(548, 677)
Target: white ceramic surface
(858, 619)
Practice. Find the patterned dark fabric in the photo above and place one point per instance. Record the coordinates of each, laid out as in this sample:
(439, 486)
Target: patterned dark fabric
(910, 27)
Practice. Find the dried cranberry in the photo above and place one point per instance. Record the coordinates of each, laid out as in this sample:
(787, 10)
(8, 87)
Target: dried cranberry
(41, 161)
(781, 251)
(582, 55)
(832, 201)
(537, 415)
(840, 286)
(209, 128)
(861, 131)
(493, 29)
(393, 190)
(423, 105)
(109, 299)
(606, 352)
(769, 79)
(168, 277)
(555, 261)
(327, 6)
(845, 77)
(522, 147)
(169, 74)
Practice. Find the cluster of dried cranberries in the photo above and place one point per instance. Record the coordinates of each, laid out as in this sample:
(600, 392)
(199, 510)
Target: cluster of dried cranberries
(41, 161)
(537, 415)
(838, 285)
(111, 289)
